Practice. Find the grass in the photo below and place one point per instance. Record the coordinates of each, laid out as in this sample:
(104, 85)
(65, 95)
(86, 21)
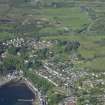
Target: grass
(5, 36)
(96, 65)
(68, 17)
(88, 49)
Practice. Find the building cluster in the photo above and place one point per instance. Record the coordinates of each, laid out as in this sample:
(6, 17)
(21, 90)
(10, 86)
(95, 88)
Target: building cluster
(61, 74)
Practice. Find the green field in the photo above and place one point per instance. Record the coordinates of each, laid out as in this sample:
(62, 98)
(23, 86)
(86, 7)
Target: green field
(89, 49)
(72, 18)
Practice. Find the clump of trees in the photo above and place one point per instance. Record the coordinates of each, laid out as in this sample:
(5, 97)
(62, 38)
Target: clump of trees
(43, 53)
(69, 46)
(10, 64)
(2, 48)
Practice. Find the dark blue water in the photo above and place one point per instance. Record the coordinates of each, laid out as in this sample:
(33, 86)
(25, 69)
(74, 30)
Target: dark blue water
(11, 93)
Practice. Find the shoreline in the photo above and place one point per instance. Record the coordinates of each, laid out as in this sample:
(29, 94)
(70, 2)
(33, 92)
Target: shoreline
(30, 86)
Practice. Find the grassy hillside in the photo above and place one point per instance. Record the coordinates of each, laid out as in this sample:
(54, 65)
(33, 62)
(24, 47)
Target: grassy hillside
(71, 18)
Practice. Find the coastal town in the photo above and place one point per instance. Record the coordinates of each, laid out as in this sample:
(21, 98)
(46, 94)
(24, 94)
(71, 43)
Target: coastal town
(60, 74)
(52, 52)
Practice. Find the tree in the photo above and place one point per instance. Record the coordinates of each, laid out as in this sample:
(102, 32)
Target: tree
(11, 63)
(72, 46)
(43, 53)
(69, 47)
